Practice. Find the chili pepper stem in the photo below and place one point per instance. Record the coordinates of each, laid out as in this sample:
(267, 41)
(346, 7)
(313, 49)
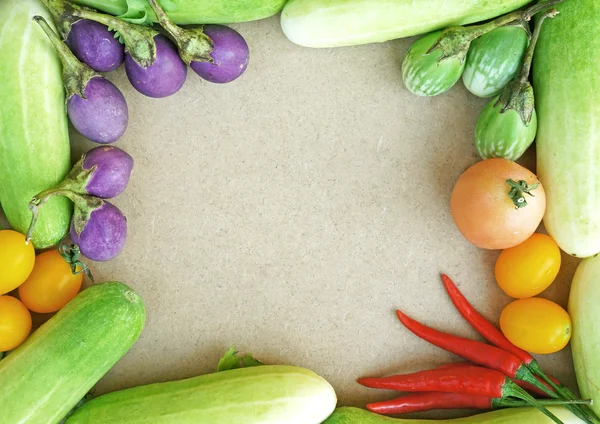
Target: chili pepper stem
(582, 411)
(515, 391)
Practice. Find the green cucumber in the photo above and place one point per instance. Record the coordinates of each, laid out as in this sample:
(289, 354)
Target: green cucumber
(494, 59)
(45, 377)
(585, 340)
(185, 12)
(566, 79)
(34, 138)
(266, 394)
(349, 415)
(334, 23)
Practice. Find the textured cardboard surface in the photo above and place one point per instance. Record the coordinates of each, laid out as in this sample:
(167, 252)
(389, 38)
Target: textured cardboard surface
(290, 213)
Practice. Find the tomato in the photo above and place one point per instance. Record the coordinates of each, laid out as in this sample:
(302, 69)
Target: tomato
(51, 284)
(536, 325)
(15, 323)
(485, 213)
(16, 260)
(529, 268)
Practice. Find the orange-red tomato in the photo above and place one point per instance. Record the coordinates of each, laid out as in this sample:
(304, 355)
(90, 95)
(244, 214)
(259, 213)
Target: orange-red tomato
(15, 323)
(483, 210)
(51, 284)
(16, 260)
(536, 325)
(528, 268)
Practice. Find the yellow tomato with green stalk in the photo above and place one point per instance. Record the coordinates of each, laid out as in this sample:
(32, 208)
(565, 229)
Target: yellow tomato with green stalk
(529, 268)
(16, 260)
(51, 284)
(536, 325)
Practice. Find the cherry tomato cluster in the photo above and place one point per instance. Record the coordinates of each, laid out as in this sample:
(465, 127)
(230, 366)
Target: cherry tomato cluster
(45, 284)
(522, 272)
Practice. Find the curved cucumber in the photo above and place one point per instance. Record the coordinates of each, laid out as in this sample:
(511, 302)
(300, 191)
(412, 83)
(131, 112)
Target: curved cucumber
(45, 377)
(186, 12)
(334, 23)
(503, 134)
(34, 139)
(585, 341)
(494, 59)
(266, 394)
(502, 416)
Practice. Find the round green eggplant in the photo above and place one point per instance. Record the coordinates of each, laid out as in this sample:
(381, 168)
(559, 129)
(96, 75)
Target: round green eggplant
(494, 59)
(503, 134)
(426, 72)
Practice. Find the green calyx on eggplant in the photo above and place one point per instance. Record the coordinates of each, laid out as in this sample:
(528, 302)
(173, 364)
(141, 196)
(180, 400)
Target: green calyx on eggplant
(138, 39)
(435, 62)
(507, 125)
(95, 106)
(98, 227)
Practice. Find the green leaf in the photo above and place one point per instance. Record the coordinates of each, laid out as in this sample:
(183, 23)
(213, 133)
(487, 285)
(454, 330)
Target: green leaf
(136, 12)
(231, 360)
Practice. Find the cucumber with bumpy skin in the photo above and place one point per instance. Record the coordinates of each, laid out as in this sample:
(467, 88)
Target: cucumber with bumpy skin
(45, 377)
(34, 138)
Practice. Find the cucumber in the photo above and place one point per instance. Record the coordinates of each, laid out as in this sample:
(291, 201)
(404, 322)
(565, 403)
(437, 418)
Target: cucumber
(335, 23)
(186, 12)
(266, 394)
(494, 59)
(349, 415)
(45, 377)
(585, 340)
(566, 80)
(34, 139)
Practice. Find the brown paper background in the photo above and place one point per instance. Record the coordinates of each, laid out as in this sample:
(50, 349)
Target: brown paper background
(290, 213)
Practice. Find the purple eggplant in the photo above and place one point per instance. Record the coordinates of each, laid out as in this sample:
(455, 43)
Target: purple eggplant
(217, 53)
(230, 55)
(164, 77)
(101, 115)
(95, 45)
(101, 235)
(96, 107)
(151, 61)
(109, 170)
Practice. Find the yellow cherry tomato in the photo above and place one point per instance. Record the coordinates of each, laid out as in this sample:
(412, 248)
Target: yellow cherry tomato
(536, 325)
(529, 268)
(16, 260)
(51, 284)
(15, 323)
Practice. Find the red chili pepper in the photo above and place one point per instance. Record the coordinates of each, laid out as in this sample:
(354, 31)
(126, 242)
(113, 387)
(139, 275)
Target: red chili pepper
(492, 334)
(482, 325)
(525, 385)
(427, 401)
(476, 352)
(472, 380)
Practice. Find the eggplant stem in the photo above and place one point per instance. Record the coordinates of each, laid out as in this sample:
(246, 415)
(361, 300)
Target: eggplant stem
(528, 58)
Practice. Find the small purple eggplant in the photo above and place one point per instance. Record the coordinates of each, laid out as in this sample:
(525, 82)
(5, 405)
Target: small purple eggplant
(100, 230)
(230, 55)
(99, 174)
(96, 107)
(109, 170)
(164, 77)
(217, 53)
(95, 45)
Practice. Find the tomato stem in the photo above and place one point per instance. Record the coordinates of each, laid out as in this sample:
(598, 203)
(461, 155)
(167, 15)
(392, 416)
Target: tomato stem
(71, 255)
(518, 190)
